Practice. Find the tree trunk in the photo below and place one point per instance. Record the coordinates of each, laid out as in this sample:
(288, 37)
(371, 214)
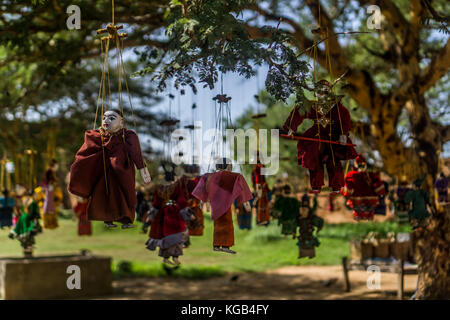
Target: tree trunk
(432, 255)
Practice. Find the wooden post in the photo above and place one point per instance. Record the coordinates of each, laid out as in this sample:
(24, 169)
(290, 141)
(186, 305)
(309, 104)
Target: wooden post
(401, 274)
(346, 279)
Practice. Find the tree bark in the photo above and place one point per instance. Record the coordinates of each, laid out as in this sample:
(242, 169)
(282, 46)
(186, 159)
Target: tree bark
(431, 248)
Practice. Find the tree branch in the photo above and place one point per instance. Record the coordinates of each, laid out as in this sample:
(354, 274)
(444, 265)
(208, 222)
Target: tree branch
(436, 69)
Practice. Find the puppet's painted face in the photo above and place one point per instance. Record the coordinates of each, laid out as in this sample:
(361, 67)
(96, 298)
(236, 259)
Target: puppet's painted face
(324, 98)
(112, 121)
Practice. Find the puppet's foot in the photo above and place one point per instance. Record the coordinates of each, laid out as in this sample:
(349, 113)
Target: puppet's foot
(167, 261)
(176, 261)
(216, 248)
(335, 192)
(110, 225)
(128, 226)
(315, 191)
(227, 250)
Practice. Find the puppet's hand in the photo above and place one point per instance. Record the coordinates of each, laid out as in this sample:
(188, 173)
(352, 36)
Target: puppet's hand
(291, 132)
(247, 206)
(343, 139)
(145, 175)
(50, 187)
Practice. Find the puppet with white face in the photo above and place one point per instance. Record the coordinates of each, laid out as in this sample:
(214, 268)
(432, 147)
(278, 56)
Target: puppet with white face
(104, 172)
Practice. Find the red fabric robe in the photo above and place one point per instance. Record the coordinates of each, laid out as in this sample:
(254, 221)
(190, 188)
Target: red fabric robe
(87, 175)
(362, 189)
(313, 155)
(262, 204)
(221, 189)
(84, 225)
(196, 226)
(169, 200)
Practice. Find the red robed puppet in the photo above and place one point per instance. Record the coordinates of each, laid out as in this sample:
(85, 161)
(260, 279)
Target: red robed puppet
(261, 190)
(221, 189)
(362, 189)
(105, 174)
(331, 122)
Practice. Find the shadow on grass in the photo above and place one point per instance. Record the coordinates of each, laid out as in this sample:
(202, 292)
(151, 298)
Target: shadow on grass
(127, 269)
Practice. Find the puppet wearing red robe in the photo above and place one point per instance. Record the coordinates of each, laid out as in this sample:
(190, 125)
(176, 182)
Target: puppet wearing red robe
(221, 189)
(362, 190)
(313, 155)
(195, 226)
(84, 225)
(106, 174)
(168, 221)
(262, 194)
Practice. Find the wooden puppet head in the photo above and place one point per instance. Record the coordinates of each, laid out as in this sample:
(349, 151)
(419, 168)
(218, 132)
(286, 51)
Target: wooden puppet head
(112, 121)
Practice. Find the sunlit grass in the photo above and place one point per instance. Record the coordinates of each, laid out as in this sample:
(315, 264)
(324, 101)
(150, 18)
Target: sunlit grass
(259, 249)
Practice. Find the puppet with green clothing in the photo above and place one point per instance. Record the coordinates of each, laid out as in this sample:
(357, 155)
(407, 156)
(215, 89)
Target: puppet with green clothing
(288, 207)
(309, 224)
(420, 202)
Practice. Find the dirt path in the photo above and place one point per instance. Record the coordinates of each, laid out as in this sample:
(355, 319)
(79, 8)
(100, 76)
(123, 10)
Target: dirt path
(294, 283)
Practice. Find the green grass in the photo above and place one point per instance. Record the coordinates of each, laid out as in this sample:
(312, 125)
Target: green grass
(259, 249)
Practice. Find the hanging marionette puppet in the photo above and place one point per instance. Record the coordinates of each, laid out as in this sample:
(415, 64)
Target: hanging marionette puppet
(401, 207)
(289, 207)
(7, 202)
(189, 180)
(80, 211)
(420, 204)
(261, 201)
(327, 142)
(441, 187)
(277, 193)
(362, 189)
(308, 222)
(28, 225)
(49, 185)
(221, 188)
(104, 173)
(7, 205)
(381, 208)
(168, 218)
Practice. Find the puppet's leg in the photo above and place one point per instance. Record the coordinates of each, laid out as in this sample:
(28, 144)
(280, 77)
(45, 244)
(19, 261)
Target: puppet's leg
(335, 175)
(224, 232)
(316, 178)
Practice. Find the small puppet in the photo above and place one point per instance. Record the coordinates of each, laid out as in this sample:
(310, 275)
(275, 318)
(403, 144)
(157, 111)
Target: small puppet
(362, 189)
(420, 202)
(401, 207)
(49, 210)
(289, 208)
(221, 188)
(381, 208)
(7, 205)
(28, 225)
(167, 218)
(261, 191)
(244, 216)
(189, 181)
(104, 173)
(441, 187)
(277, 193)
(80, 211)
(308, 222)
(331, 122)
